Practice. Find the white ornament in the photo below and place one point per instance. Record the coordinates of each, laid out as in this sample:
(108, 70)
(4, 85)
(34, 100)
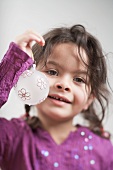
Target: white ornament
(32, 87)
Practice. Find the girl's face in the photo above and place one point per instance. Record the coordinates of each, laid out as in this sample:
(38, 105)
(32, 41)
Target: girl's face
(69, 85)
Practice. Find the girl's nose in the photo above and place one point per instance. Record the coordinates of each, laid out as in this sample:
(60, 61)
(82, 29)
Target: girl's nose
(62, 86)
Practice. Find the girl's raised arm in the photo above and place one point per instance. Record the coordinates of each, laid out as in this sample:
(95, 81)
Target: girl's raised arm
(15, 61)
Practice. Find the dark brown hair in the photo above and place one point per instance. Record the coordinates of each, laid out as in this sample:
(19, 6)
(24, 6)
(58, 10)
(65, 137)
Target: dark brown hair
(96, 67)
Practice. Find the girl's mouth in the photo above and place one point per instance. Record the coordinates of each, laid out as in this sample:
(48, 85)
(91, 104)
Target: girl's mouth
(59, 99)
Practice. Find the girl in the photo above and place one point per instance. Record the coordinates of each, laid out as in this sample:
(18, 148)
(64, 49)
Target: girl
(73, 61)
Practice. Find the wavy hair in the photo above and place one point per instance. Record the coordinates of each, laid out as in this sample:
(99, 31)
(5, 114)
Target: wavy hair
(96, 67)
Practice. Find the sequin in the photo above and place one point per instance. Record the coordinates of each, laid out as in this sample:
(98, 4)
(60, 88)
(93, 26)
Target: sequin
(90, 147)
(90, 137)
(76, 156)
(92, 162)
(86, 139)
(82, 133)
(56, 164)
(85, 147)
(45, 153)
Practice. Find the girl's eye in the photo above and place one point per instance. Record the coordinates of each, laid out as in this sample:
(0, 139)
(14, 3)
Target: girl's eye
(79, 80)
(52, 72)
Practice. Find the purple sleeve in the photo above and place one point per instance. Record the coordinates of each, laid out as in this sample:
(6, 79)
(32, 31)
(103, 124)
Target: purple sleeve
(110, 158)
(12, 66)
(11, 133)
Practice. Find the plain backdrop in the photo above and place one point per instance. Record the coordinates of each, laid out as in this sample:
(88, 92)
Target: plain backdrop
(16, 16)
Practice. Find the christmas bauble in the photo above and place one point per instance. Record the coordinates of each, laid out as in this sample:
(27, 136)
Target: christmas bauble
(32, 87)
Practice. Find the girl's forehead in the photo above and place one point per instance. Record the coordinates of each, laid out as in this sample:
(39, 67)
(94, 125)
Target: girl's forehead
(70, 48)
(69, 53)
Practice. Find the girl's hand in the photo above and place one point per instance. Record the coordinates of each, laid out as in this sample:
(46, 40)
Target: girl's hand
(25, 41)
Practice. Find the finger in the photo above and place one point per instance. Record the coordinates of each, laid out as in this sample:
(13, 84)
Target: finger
(33, 36)
(32, 43)
(28, 37)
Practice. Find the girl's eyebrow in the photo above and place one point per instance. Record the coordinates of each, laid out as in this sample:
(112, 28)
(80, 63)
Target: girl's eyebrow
(81, 72)
(53, 63)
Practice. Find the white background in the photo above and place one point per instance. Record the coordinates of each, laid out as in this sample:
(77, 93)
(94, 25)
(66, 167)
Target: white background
(16, 16)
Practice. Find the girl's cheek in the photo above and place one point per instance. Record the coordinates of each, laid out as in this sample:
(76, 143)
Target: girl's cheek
(51, 81)
(81, 94)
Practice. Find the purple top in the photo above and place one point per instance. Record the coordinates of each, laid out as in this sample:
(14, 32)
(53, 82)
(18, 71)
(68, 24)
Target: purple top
(24, 149)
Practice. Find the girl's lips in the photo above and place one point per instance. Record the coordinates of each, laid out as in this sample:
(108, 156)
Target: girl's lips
(59, 98)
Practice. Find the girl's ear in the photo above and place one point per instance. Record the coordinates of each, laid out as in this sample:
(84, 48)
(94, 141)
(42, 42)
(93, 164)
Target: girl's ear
(89, 101)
